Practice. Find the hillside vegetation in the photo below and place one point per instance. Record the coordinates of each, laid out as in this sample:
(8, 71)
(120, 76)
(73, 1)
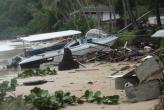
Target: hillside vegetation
(24, 17)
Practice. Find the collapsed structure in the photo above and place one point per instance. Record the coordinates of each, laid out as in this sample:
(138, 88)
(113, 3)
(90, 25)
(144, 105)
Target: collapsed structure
(144, 82)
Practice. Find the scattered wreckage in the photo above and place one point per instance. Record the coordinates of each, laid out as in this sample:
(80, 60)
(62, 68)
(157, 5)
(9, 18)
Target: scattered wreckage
(144, 82)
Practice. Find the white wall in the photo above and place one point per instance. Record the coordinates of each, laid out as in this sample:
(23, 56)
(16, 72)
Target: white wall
(106, 16)
(153, 20)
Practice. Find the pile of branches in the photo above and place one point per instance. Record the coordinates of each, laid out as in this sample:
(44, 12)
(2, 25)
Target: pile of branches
(113, 55)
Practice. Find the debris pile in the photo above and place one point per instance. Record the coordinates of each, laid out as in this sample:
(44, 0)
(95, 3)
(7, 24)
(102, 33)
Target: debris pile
(147, 76)
(150, 75)
(117, 54)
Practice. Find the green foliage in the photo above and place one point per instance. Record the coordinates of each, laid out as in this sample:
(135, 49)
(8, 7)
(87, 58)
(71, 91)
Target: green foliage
(24, 17)
(8, 86)
(13, 84)
(111, 99)
(126, 36)
(40, 99)
(96, 97)
(15, 104)
(42, 21)
(80, 22)
(43, 101)
(37, 72)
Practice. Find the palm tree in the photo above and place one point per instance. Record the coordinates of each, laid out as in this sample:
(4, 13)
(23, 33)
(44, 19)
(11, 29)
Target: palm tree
(124, 12)
(158, 14)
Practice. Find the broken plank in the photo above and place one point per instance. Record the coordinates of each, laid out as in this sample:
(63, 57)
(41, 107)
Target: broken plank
(86, 69)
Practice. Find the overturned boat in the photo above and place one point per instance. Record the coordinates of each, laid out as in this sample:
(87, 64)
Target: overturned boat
(87, 44)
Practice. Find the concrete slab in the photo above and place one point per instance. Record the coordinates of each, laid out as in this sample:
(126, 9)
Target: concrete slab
(121, 81)
(143, 92)
(148, 68)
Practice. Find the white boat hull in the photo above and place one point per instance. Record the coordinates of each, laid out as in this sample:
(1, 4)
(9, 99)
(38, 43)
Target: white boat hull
(56, 56)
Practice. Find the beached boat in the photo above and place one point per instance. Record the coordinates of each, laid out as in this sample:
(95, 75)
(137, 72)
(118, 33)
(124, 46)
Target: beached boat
(42, 43)
(48, 39)
(78, 47)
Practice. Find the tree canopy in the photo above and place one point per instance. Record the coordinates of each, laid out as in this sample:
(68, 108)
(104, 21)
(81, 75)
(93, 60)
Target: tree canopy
(24, 17)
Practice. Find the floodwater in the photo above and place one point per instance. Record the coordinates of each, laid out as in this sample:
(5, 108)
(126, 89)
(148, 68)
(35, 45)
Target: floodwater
(8, 49)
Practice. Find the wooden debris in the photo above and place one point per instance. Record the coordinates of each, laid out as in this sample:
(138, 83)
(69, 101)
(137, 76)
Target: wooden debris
(86, 69)
(114, 73)
(72, 72)
(90, 82)
(80, 64)
(124, 68)
(36, 82)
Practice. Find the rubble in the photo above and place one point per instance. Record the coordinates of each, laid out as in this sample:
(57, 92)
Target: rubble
(121, 81)
(147, 76)
(142, 92)
(149, 67)
(138, 79)
(149, 73)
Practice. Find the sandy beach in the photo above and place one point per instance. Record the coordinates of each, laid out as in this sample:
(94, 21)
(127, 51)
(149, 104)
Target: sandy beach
(76, 81)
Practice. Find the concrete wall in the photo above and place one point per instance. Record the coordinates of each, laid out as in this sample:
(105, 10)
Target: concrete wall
(143, 92)
(148, 68)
